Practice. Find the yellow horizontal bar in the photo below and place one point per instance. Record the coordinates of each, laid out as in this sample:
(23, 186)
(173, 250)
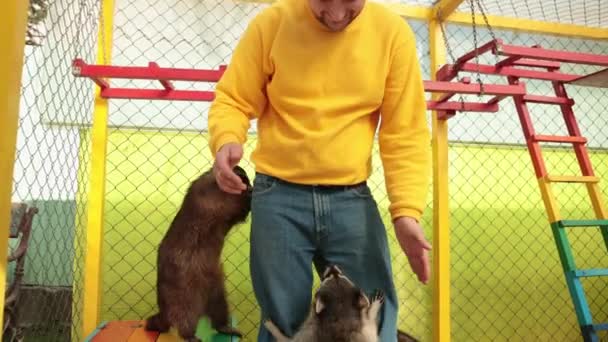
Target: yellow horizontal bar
(444, 8)
(572, 179)
(533, 26)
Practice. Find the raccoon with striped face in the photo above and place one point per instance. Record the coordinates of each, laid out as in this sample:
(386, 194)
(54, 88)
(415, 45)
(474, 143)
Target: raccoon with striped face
(341, 312)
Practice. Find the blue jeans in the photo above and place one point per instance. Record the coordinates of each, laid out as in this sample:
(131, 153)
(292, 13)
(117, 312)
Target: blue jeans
(295, 226)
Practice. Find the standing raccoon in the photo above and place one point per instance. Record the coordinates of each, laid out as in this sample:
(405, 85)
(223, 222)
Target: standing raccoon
(341, 312)
(190, 281)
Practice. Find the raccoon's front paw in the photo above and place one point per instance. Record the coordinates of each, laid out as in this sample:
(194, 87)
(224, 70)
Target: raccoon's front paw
(376, 302)
(378, 296)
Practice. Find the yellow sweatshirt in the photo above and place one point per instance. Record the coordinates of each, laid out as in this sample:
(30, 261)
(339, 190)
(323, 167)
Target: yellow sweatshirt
(319, 96)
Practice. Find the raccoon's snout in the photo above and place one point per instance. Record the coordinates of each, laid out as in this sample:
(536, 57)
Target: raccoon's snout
(332, 270)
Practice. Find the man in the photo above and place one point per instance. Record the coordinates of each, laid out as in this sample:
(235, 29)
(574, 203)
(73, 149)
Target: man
(319, 75)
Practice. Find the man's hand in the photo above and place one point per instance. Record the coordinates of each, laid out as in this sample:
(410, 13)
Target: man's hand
(412, 241)
(225, 160)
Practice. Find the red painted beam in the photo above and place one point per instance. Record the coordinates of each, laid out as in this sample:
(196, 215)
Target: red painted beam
(491, 45)
(165, 83)
(559, 139)
(549, 100)
(147, 73)
(516, 72)
(553, 55)
(462, 106)
(536, 63)
(160, 94)
(475, 88)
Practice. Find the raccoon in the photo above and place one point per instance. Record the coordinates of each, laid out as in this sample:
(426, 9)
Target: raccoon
(190, 281)
(340, 312)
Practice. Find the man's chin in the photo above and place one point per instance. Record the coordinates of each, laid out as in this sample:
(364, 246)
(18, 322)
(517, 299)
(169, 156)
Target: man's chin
(336, 27)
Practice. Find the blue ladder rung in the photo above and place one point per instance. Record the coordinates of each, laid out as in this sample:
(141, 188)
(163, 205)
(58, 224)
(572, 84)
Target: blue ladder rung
(583, 223)
(594, 272)
(601, 326)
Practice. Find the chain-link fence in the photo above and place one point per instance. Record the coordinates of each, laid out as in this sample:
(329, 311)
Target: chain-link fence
(51, 170)
(507, 282)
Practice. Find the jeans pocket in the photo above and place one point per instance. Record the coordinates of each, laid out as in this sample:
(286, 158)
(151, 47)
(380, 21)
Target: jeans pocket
(263, 185)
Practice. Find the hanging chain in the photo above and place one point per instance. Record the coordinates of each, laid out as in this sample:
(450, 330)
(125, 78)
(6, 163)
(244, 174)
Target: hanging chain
(445, 37)
(448, 46)
(485, 19)
(472, 5)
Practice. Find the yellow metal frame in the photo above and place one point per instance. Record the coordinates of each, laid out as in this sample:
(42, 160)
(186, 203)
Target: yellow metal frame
(441, 227)
(93, 280)
(532, 26)
(444, 8)
(13, 17)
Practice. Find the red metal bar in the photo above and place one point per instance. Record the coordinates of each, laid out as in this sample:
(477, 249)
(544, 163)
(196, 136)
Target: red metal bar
(519, 73)
(536, 63)
(488, 89)
(160, 94)
(444, 115)
(165, 83)
(445, 97)
(553, 55)
(548, 100)
(462, 106)
(491, 45)
(580, 150)
(559, 139)
(508, 61)
(528, 129)
(148, 73)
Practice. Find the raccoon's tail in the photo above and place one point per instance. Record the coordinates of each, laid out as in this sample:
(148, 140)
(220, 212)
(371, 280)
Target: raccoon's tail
(157, 323)
(405, 337)
(278, 335)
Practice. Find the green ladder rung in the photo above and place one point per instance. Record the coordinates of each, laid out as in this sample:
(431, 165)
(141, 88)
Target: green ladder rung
(583, 223)
(595, 272)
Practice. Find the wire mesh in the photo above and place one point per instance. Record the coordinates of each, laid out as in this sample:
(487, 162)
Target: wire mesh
(51, 169)
(157, 147)
(507, 280)
(590, 13)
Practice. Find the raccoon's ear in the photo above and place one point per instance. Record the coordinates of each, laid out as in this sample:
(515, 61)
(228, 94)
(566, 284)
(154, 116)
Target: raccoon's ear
(319, 305)
(361, 301)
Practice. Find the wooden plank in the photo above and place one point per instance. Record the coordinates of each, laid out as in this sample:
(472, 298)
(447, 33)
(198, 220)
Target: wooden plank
(141, 335)
(116, 331)
(584, 223)
(572, 179)
(597, 79)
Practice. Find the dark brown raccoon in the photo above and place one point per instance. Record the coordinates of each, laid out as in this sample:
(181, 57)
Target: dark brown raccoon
(190, 281)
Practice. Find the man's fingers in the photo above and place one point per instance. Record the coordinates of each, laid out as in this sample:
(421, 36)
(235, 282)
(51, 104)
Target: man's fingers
(425, 244)
(421, 267)
(235, 155)
(228, 183)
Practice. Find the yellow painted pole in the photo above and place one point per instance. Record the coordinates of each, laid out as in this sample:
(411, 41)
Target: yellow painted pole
(441, 228)
(93, 280)
(13, 17)
(444, 8)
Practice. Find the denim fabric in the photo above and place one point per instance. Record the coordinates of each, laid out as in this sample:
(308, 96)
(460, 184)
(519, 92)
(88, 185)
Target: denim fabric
(294, 227)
